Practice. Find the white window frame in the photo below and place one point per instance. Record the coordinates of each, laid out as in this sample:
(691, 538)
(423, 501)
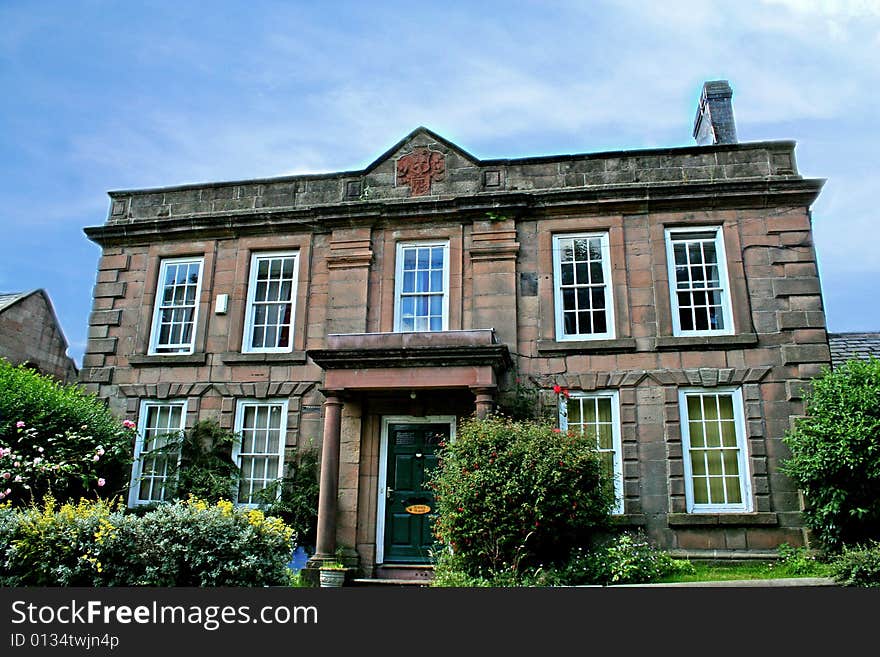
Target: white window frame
(282, 439)
(609, 333)
(723, 280)
(250, 308)
(398, 280)
(137, 464)
(745, 479)
(616, 443)
(157, 307)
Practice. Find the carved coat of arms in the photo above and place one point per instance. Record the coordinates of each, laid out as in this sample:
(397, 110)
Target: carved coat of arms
(419, 169)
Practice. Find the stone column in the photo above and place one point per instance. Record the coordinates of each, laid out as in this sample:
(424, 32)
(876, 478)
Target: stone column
(329, 485)
(485, 400)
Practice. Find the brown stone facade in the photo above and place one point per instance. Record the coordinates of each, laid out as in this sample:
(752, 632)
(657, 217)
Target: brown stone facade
(350, 366)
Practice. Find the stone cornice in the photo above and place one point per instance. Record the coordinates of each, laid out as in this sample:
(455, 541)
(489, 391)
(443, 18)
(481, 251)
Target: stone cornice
(638, 198)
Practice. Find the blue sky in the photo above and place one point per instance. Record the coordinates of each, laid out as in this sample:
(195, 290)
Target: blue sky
(100, 95)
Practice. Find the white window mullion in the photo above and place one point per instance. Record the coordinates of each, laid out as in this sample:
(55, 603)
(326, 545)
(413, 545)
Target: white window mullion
(573, 416)
(421, 287)
(150, 471)
(581, 269)
(176, 306)
(697, 441)
(271, 303)
(259, 423)
(692, 302)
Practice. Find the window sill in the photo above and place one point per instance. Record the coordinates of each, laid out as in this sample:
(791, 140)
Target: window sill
(629, 519)
(586, 346)
(678, 343)
(721, 519)
(288, 357)
(136, 360)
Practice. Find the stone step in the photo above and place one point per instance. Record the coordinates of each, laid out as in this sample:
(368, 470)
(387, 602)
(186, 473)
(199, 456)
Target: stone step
(385, 581)
(416, 572)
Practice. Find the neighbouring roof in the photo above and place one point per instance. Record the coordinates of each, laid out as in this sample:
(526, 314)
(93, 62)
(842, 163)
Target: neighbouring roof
(9, 298)
(853, 346)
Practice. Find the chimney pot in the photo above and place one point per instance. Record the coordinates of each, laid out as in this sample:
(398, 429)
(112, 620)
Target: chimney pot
(714, 123)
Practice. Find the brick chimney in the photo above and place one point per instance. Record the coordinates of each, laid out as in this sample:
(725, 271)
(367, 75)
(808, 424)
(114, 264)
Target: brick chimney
(714, 123)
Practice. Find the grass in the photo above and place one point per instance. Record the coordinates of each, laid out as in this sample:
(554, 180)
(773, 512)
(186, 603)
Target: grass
(714, 571)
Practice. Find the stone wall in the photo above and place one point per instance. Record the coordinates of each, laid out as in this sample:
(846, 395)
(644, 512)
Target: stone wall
(29, 333)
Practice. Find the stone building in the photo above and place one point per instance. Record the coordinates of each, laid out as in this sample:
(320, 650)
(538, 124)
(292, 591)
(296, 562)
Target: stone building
(673, 293)
(30, 333)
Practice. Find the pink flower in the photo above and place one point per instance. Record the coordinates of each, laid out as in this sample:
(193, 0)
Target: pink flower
(17, 479)
(9, 491)
(128, 424)
(96, 457)
(37, 460)
(101, 481)
(2, 495)
(40, 450)
(100, 451)
(6, 475)
(19, 424)
(17, 464)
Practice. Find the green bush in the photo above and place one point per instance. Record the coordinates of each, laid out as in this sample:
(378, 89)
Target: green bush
(450, 571)
(520, 401)
(295, 497)
(624, 559)
(58, 439)
(835, 455)
(800, 562)
(515, 494)
(857, 565)
(192, 544)
(188, 543)
(205, 469)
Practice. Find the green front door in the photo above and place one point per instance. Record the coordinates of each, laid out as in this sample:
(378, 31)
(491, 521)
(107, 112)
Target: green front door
(409, 505)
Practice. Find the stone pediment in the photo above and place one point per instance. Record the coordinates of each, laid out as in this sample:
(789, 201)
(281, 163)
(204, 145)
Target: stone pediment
(421, 164)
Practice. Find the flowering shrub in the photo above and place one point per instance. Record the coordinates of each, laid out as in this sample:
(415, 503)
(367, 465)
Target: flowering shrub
(625, 559)
(295, 497)
(857, 565)
(57, 439)
(512, 494)
(188, 543)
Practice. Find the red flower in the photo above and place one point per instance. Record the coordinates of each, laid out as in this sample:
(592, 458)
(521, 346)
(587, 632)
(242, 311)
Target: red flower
(557, 430)
(557, 388)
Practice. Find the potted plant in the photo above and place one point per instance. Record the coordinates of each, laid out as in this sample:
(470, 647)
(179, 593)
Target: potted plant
(332, 574)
